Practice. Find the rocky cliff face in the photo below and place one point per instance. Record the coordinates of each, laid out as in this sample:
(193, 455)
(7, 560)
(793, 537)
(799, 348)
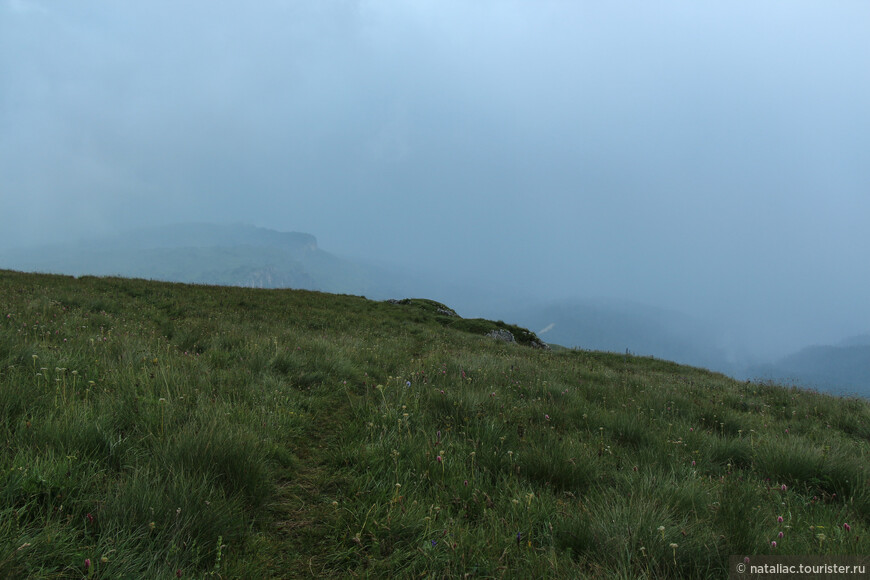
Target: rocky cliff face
(202, 235)
(230, 255)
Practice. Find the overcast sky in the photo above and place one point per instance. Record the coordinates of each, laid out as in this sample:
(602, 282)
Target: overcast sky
(712, 157)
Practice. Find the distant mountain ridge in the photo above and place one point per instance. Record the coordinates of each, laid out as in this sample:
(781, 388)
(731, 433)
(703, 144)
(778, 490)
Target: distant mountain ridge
(842, 369)
(202, 253)
(204, 235)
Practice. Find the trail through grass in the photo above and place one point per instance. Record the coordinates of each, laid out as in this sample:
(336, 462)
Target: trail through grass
(157, 430)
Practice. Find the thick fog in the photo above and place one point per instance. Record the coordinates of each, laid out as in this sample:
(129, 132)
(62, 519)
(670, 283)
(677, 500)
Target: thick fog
(710, 158)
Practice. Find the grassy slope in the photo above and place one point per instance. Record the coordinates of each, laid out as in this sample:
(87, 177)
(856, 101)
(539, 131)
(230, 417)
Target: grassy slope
(155, 429)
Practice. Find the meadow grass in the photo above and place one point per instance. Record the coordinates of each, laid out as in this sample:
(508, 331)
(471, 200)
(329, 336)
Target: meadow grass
(156, 430)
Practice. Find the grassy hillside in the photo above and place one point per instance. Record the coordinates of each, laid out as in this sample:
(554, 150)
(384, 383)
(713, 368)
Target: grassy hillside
(155, 430)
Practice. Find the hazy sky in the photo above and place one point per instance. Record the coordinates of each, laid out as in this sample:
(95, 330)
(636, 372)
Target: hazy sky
(709, 157)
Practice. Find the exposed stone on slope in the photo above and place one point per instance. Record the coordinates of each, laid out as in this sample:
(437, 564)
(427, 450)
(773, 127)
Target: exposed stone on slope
(501, 334)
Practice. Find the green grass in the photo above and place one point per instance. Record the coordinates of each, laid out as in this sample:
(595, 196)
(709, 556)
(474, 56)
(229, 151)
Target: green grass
(153, 429)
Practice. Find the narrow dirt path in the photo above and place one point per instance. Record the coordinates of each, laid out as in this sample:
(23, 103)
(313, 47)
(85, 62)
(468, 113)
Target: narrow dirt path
(303, 533)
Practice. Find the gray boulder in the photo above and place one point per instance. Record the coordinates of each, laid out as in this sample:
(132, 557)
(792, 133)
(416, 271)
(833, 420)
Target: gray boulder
(502, 334)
